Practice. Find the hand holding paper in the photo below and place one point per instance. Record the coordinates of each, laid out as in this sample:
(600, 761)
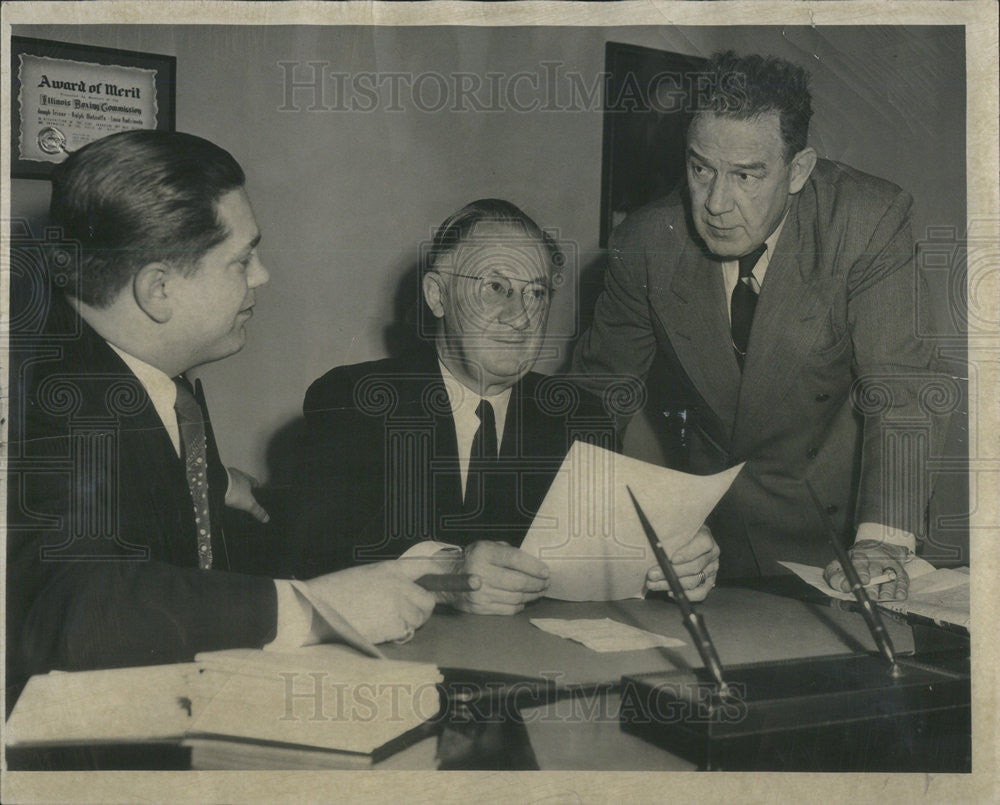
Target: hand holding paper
(588, 534)
(942, 595)
(381, 601)
(510, 579)
(696, 564)
(873, 559)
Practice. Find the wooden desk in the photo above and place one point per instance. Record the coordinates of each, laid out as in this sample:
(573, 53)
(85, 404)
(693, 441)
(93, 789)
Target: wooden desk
(577, 727)
(746, 625)
(573, 722)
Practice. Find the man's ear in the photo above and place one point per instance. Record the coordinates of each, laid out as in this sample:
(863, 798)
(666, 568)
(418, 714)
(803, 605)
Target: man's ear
(149, 286)
(801, 167)
(434, 293)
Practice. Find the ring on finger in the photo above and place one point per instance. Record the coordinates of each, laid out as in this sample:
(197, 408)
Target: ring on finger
(407, 637)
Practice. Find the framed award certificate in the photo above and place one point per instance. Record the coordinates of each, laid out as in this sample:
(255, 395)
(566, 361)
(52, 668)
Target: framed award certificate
(64, 96)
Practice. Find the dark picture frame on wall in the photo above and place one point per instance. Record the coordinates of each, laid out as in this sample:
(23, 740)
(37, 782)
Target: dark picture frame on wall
(647, 93)
(65, 95)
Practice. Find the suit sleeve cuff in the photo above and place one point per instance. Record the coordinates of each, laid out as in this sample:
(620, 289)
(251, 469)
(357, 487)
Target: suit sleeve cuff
(295, 618)
(885, 533)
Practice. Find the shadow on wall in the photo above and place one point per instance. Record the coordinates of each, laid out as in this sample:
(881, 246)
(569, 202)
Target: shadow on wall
(286, 447)
(287, 454)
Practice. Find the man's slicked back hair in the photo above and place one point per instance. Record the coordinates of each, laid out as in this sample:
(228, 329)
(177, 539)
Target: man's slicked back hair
(457, 229)
(139, 197)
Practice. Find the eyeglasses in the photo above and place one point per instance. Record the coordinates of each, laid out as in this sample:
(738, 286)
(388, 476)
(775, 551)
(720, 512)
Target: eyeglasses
(495, 290)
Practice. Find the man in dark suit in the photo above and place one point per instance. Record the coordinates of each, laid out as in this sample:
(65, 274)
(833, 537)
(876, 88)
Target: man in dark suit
(455, 443)
(116, 547)
(779, 292)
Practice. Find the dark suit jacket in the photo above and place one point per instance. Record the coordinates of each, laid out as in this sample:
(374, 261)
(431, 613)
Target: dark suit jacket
(384, 471)
(102, 567)
(836, 379)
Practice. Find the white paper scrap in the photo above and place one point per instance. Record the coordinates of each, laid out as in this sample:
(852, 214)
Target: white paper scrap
(587, 530)
(605, 634)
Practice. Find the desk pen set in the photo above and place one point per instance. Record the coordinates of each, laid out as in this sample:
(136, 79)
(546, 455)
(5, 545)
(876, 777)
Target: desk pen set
(818, 714)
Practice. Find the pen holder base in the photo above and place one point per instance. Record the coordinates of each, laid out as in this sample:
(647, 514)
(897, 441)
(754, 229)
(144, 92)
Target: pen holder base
(829, 714)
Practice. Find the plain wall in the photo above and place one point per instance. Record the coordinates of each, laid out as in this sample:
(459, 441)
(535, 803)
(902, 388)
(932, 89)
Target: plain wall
(345, 199)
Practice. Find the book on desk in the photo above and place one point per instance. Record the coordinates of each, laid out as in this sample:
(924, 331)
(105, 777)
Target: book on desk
(321, 707)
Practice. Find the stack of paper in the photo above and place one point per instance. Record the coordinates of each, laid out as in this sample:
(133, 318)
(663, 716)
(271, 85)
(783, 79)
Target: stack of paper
(941, 595)
(325, 696)
(587, 530)
(119, 705)
(247, 708)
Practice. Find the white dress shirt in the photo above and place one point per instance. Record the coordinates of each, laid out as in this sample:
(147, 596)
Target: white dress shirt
(161, 390)
(731, 268)
(464, 403)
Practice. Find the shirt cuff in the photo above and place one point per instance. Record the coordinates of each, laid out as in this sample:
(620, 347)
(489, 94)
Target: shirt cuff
(229, 482)
(295, 618)
(886, 533)
(430, 547)
(445, 558)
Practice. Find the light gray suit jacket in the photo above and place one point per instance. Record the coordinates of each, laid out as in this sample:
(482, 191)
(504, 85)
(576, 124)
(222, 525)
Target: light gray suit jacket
(837, 388)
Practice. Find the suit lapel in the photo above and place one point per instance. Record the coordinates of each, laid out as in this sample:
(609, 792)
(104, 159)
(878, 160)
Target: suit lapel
(445, 477)
(145, 422)
(513, 432)
(168, 490)
(143, 432)
(692, 309)
(787, 316)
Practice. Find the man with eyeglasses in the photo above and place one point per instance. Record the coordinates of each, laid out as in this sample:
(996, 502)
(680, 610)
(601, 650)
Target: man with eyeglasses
(455, 443)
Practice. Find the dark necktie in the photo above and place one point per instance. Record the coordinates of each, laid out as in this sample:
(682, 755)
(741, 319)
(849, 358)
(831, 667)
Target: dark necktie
(482, 459)
(190, 420)
(744, 302)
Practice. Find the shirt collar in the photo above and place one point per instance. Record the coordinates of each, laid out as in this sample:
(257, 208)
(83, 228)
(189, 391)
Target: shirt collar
(460, 395)
(772, 240)
(158, 385)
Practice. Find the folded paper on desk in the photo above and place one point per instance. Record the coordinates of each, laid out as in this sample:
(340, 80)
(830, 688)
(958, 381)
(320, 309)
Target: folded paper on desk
(587, 530)
(325, 697)
(941, 595)
(605, 634)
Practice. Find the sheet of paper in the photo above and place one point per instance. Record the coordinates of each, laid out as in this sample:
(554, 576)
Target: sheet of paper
(813, 576)
(605, 634)
(589, 535)
(942, 595)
